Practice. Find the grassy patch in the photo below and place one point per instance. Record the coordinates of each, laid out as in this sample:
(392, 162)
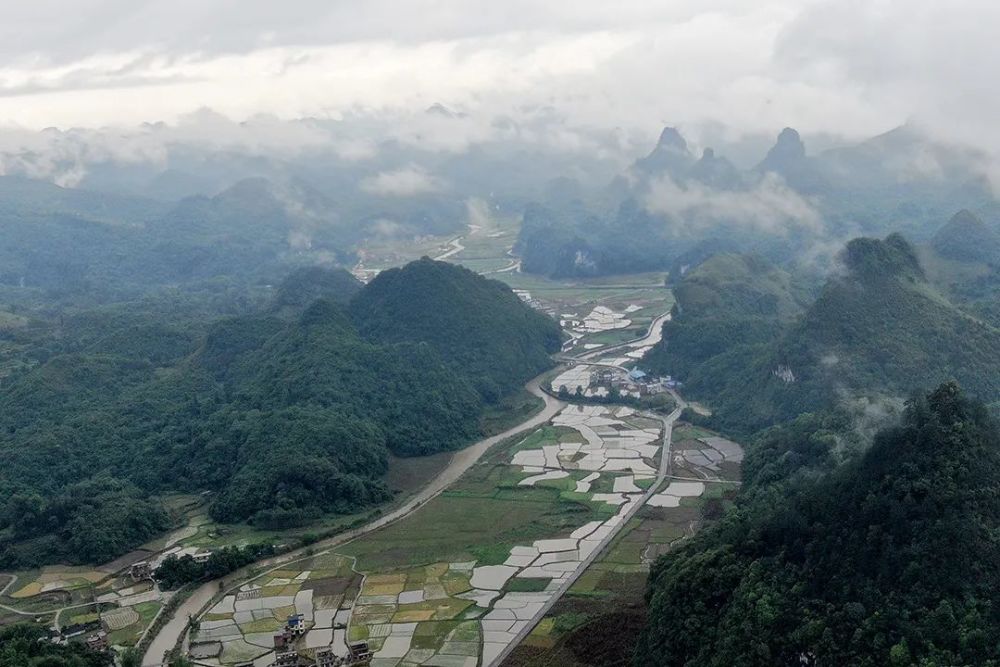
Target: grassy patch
(523, 585)
(569, 620)
(453, 528)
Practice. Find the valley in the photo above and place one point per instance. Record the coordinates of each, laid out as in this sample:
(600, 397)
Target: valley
(465, 571)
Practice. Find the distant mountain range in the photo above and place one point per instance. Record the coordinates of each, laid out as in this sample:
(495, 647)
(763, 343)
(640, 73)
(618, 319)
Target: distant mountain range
(791, 203)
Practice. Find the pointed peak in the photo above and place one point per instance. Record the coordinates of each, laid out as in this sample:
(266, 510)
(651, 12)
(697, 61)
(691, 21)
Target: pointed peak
(708, 154)
(670, 138)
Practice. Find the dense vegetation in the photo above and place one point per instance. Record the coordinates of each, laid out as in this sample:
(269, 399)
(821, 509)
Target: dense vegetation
(461, 316)
(28, 646)
(286, 411)
(891, 559)
(725, 302)
(877, 328)
(175, 572)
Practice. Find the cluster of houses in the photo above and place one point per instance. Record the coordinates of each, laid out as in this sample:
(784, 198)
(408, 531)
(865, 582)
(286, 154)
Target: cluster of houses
(635, 382)
(285, 655)
(358, 654)
(90, 633)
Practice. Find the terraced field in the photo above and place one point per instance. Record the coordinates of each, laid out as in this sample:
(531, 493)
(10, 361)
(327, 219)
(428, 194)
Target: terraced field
(453, 584)
(589, 624)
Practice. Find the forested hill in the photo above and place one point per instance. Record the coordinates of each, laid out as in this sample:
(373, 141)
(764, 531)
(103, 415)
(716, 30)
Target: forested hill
(967, 238)
(284, 418)
(460, 314)
(893, 559)
(877, 328)
(304, 285)
(728, 301)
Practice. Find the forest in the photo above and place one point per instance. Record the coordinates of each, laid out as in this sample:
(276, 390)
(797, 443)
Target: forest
(879, 327)
(25, 645)
(285, 411)
(890, 559)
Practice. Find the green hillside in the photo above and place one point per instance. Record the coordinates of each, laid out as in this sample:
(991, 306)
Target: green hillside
(284, 418)
(461, 315)
(890, 560)
(728, 301)
(878, 328)
(968, 239)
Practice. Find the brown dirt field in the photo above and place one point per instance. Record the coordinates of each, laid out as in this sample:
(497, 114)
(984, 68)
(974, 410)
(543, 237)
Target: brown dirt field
(328, 586)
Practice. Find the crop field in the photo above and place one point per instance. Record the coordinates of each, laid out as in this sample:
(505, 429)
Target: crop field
(458, 579)
(241, 626)
(55, 578)
(607, 601)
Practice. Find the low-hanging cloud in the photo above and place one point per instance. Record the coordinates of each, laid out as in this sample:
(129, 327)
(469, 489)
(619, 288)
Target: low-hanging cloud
(403, 182)
(767, 206)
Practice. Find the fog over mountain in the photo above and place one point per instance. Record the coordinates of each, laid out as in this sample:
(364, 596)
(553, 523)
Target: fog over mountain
(719, 70)
(453, 332)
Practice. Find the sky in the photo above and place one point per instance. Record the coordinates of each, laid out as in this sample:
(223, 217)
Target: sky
(851, 68)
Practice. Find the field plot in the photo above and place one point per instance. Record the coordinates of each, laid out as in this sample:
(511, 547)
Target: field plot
(314, 595)
(455, 582)
(595, 313)
(591, 624)
(55, 578)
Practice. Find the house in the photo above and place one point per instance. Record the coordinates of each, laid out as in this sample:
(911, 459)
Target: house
(141, 570)
(295, 624)
(283, 639)
(325, 657)
(602, 377)
(636, 375)
(98, 642)
(70, 631)
(360, 653)
(287, 659)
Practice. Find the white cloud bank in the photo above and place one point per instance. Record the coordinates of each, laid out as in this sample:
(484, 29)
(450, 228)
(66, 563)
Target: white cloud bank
(404, 182)
(851, 67)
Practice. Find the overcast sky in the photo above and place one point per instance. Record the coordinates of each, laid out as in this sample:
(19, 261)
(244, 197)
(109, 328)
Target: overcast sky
(852, 67)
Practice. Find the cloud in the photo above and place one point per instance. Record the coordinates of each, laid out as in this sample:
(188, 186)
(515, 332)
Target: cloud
(768, 206)
(404, 182)
(536, 71)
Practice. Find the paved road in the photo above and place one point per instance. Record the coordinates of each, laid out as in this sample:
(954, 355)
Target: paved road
(652, 337)
(176, 628)
(661, 475)
(462, 460)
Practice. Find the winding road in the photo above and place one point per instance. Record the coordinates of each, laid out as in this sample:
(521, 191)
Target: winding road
(176, 628)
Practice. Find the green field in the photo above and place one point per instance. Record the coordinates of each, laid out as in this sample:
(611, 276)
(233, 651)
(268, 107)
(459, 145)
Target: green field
(606, 604)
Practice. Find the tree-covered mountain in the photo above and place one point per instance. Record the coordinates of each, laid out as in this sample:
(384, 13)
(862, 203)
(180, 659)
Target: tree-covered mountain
(727, 301)
(307, 284)
(284, 418)
(877, 328)
(790, 203)
(459, 314)
(891, 559)
(967, 238)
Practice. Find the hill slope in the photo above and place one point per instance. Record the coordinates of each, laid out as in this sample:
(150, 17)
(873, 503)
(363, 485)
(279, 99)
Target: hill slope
(890, 560)
(967, 238)
(284, 418)
(728, 300)
(878, 328)
(459, 314)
